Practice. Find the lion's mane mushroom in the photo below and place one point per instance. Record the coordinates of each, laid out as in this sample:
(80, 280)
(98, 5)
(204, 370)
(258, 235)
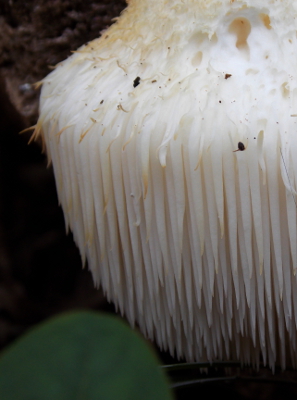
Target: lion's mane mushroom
(194, 241)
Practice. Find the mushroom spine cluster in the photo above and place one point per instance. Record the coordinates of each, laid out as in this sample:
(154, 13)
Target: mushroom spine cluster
(192, 240)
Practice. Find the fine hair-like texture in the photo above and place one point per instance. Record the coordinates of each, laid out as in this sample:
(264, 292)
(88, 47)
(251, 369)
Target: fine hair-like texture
(191, 239)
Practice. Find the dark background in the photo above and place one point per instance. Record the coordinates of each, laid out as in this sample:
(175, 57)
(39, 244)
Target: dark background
(40, 268)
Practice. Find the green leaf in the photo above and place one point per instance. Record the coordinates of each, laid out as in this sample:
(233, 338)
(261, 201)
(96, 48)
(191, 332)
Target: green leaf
(81, 356)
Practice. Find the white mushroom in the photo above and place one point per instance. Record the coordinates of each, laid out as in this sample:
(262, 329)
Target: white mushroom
(193, 241)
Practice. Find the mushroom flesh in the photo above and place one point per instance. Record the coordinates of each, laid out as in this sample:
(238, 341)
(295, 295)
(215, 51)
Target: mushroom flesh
(192, 240)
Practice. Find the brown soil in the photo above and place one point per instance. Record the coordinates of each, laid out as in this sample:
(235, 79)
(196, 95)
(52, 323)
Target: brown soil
(37, 34)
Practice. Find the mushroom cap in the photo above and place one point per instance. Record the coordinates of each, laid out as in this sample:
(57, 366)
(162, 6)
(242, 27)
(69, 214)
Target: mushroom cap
(192, 240)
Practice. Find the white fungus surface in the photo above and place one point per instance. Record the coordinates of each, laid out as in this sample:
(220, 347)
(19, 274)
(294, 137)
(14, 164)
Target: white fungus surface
(192, 240)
